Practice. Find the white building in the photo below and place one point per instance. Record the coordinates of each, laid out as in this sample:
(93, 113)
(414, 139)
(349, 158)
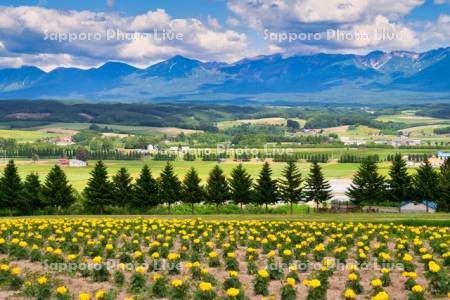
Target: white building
(418, 207)
(77, 163)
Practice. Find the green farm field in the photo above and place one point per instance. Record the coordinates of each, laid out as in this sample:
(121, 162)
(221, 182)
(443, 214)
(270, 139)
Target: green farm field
(26, 136)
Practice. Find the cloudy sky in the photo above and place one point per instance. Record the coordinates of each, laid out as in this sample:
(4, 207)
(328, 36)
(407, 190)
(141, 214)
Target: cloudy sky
(86, 33)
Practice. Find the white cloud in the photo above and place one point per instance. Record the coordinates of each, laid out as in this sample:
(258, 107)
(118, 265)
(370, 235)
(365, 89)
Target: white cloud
(214, 23)
(23, 31)
(372, 23)
(439, 2)
(233, 22)
(110, 3)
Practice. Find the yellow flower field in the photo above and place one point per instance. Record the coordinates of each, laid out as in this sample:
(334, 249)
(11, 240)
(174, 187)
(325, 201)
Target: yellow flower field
(134, 258)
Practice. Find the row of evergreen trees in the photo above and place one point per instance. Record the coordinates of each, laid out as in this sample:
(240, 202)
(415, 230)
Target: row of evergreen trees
(427, 184)
(368, 187)
(55, 193)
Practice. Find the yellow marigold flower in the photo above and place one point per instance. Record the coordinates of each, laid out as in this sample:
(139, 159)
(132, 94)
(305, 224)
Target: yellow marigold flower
(61, 290)
(233, 273)
(109, 247)
(42, 280)
(349, 294)
(204, 271)
(319, 248)
(177, 283)
(434, 267)
(100, 294)
(97, 260)
(263, 273)
(417, 289)
(287, 252)
(173, 256)
(381, 296)
(137, 254)
(352, 277)
(4, 268)
(385, 270)
(84, 296)
(205, 286)
(407, 257)
(140, 270)
(290, 281)
(155, 255)
(376, 282)
(315, 283)
(232, 292)
(16, 271)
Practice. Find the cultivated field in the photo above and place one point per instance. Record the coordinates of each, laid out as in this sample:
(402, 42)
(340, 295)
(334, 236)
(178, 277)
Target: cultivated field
(216, 258)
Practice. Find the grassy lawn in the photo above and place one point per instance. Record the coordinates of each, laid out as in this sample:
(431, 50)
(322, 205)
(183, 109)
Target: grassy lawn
(319, 217)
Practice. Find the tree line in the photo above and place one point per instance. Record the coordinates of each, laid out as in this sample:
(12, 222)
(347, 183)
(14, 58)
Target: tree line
(427, 184)
(23, 197)
(55, 194)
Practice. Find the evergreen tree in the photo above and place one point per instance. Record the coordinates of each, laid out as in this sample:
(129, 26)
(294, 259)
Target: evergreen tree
(217, 190)
(32, 193)
(317, 188)
(122, 188)
(266, 188)
(425, 183)
(399, 184)
(145, 194)
(192, 191)
(291, 184)
(444, 187)
(367, 186)
(170, 186)
(10, 188)
(97, 193)
(240, 186)
(56, 191)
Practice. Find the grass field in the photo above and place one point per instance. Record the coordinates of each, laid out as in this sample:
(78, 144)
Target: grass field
(26, 136)
(409, 117)
(263, 121)
(138, 130)
(79, 176)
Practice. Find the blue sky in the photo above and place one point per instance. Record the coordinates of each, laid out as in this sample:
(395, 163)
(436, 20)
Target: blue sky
(34, 32)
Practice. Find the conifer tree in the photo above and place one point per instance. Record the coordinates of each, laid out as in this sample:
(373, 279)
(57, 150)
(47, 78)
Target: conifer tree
(367, 186)
(217, 190)
(97, 193)
(10, 188)
(399, 183)
(291, 184)
(444, 187)
(192, 191)
(32, 193)
(241, 186)
(145, 194)
(317, 188)
(266, 189)
(425, 183)
(122, 188)
(56, 191)
(169, 186)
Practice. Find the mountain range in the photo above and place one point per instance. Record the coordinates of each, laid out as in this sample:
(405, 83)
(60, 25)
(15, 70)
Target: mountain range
(386, 77)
